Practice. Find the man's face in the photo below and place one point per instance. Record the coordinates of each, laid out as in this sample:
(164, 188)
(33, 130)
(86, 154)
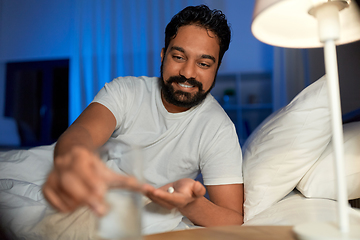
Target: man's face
(189, 67)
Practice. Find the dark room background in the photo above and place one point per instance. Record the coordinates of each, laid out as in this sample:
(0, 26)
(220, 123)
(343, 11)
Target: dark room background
(55, 56)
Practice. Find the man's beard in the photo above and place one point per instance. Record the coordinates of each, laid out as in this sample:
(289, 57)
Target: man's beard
(180, 98)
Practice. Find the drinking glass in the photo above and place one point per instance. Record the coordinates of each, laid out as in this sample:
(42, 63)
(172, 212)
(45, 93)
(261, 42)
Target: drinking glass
(123, 219)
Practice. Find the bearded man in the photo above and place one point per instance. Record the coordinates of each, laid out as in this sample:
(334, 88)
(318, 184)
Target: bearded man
(180, 127)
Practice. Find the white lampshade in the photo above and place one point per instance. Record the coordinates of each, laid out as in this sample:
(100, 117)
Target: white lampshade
(288, 23)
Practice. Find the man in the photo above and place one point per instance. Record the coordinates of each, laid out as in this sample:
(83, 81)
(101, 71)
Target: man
(179, 125)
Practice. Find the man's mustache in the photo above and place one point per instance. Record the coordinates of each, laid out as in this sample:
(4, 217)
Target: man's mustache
(182, 79)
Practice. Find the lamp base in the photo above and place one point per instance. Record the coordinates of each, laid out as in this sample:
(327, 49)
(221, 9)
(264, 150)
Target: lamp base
(325, 231)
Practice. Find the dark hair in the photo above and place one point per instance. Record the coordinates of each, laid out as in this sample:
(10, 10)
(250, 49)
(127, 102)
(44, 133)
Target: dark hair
(213, 20)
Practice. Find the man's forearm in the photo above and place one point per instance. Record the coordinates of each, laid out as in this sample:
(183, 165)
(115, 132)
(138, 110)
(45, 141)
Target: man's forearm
(73, 136)
(204, 213)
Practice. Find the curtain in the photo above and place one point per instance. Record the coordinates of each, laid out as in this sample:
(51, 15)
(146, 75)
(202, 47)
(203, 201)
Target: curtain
(291, 74)
(113, 38)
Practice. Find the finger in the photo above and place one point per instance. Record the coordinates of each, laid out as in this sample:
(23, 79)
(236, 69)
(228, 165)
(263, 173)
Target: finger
(114, 180)
(53, 197)
(127, 182)
(98, 179)
(87, 189)
(76, 181)
(175, 199)
(67, 201)
(160, 201)
(78, 194)
(87, 170)
(99, 207)
(74, 191)
(147, 189)
(69, 189)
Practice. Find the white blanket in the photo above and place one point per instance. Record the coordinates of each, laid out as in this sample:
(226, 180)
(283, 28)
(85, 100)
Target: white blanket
(295, 209)
(25, 214)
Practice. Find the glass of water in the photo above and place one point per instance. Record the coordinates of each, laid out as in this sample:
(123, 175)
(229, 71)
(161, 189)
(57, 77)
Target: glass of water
(123, 219)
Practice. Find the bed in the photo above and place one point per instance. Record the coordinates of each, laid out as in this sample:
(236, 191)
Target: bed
(288, 177)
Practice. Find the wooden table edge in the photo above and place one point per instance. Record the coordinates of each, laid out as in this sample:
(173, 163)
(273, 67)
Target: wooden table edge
(228, 233)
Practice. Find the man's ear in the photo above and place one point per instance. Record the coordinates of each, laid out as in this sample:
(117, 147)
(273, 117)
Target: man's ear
(162, 54)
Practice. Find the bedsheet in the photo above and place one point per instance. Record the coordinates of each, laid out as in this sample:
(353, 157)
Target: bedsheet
(25, 214)
(296, 209)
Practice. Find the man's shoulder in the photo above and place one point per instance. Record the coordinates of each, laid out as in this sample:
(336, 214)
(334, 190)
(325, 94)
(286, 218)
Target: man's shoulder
(137, 80)
(212, 105)
(134, 83)
(212, 111)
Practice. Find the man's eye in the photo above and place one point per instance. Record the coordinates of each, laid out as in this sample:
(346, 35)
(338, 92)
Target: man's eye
(178, 57)
(205, 65)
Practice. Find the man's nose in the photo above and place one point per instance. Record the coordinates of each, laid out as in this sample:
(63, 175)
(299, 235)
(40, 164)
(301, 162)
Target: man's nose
(188, 70)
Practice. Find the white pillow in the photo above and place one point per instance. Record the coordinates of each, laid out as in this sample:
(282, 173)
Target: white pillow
(320, 180)
(284, 147)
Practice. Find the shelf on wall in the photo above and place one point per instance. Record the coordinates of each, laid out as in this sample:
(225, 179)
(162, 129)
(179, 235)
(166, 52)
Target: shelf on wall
(255, 106)
(246, 97)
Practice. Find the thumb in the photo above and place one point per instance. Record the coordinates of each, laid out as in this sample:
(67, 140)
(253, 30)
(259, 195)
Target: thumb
(198, 189)
(115, 180)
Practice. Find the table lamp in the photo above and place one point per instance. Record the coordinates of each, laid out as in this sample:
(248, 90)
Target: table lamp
(310, 24)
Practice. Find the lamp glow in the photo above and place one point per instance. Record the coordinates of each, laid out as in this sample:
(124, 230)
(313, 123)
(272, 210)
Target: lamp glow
(309, 24)
(290, 24)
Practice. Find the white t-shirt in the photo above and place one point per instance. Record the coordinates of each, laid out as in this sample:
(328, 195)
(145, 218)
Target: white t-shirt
(175, 145)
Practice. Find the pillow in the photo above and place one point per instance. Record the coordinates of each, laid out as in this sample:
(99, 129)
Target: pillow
(284, 147)
(319, 181)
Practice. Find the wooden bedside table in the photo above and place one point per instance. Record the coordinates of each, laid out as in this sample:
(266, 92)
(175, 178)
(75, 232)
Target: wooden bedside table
(228, 233)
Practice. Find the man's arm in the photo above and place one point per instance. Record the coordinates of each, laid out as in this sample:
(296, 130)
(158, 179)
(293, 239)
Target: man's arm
(90, 130)
(79, 177)
(225, 207)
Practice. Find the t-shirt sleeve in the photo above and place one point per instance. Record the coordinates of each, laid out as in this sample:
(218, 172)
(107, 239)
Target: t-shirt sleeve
(222, 161)
(114, 96)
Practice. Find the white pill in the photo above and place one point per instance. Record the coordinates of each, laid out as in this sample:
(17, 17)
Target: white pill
(171, 190)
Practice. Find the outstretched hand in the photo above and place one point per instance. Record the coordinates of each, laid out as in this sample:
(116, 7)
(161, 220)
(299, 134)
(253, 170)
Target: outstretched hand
(186, 190)
(80, 178)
